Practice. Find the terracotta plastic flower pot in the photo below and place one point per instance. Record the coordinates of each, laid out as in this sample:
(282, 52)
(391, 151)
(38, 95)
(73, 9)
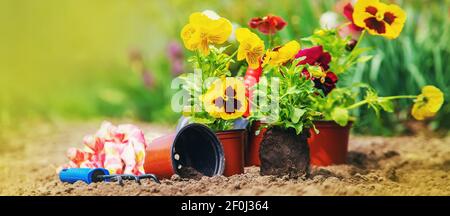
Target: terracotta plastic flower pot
(255, 138)
(194, 146)
(233, 142)
(330, 146)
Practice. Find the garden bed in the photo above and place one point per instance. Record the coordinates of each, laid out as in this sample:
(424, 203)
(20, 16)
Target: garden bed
(377, 166)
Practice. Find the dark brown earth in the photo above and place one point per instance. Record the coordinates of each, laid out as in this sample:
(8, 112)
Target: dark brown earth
(417, 165)
(190, 173)
(283, 152)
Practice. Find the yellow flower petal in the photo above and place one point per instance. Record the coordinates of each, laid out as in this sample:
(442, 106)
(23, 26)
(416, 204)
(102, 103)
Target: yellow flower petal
(189, 36)
(428, 103)
(209, 98)
(199, 19)
(283, 54)
(434, 96)
(201, 31)
(242, 34)
(219, 31)
(394, 30)
(251, 47)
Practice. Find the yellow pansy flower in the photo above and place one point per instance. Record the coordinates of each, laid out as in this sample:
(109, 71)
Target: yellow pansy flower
(251, 47)
(428, 103)
(203, 30)
(281, 55)
(226, 98)
(379, 18)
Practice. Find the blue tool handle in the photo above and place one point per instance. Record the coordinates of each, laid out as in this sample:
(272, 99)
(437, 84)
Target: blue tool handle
(88, 175)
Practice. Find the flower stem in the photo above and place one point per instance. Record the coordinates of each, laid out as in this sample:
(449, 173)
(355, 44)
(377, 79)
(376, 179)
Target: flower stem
(228, 59)
(270, 40)
(400, 97)
(361, 37)
(351, 57)
(233, 55)
(356, 105)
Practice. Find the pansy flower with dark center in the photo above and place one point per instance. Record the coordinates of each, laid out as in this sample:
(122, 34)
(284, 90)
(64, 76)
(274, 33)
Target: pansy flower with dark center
(267, 25)
(326, 83)
(229, 102)
(378, 18)
(316, 56)
(226, 99)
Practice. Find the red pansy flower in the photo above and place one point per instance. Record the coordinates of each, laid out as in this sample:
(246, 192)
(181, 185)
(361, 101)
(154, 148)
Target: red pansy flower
(315, 56)
(326, 83)
(268, 25)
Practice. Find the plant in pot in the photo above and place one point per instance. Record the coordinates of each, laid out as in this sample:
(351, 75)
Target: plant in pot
(329, 146)
(215, 98)
(269, 26)
(335, 52)
(283, 101)
(331, 54)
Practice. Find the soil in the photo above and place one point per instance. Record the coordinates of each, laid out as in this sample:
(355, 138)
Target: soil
(412, 165)
(190, 173)
(283, 152)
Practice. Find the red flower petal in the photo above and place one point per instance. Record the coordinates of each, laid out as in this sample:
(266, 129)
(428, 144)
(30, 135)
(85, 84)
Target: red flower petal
(311, 54)
(255, 22)
(278, 22)
(267, 25)
(348, 11)
(332, 77)
(306, 74)
(324, 60)
(315, 56)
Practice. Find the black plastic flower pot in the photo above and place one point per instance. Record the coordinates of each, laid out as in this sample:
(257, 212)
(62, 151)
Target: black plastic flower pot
(194, 146)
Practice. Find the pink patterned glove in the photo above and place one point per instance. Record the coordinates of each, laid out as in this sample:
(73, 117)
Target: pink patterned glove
(119, 149)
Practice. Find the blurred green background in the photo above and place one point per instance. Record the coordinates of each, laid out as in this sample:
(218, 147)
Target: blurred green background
(85, 59)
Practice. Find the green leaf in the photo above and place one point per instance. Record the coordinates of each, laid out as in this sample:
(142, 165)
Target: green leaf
(340, 116)
(298, 127)
(203, 120)
(416, 74)
(387, 105)
(296, 114)
(366, 58)
(293, 90)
